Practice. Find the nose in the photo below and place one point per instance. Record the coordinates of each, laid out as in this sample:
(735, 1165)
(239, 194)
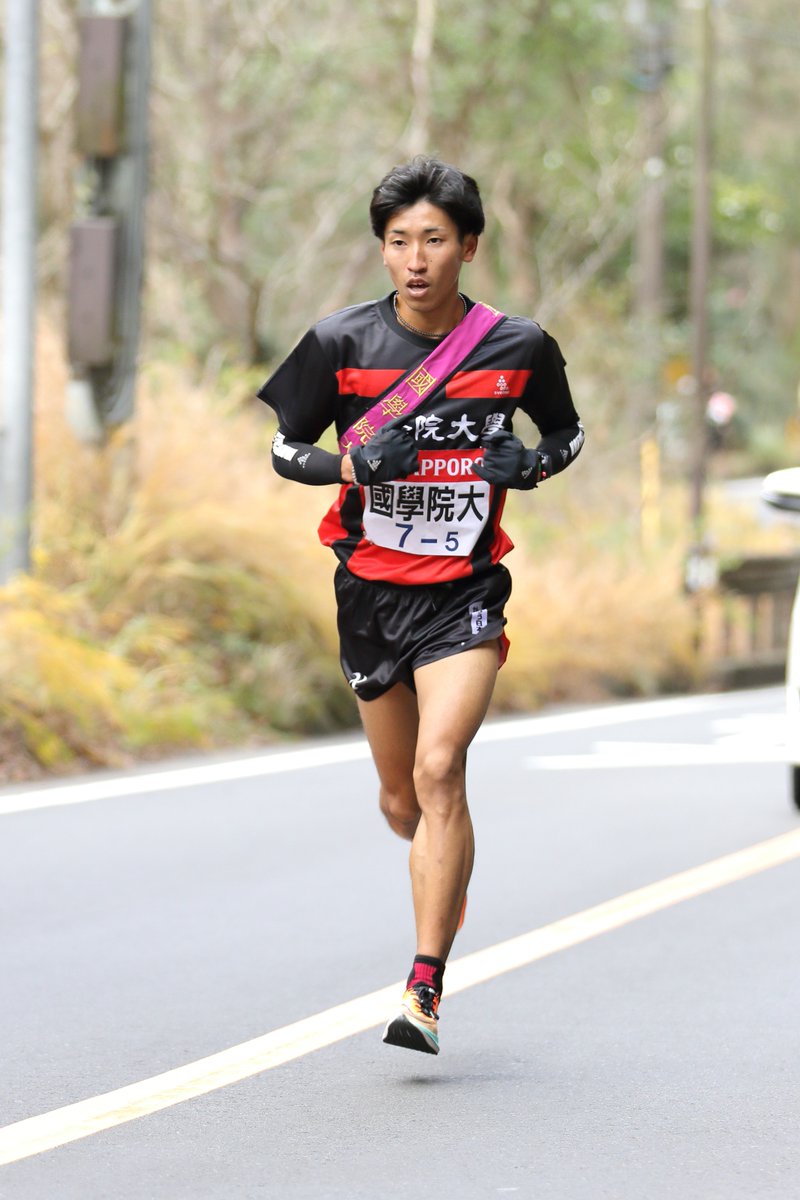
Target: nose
(416, 263)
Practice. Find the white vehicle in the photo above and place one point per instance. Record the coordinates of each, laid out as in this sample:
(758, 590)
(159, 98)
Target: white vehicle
(781, 489)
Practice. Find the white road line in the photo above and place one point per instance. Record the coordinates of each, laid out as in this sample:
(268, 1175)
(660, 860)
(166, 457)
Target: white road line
(175, 778)
(617, 755)
(141, 783)
(50, 1130)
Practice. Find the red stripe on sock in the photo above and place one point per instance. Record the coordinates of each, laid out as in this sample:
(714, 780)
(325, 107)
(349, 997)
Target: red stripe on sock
(424, 973)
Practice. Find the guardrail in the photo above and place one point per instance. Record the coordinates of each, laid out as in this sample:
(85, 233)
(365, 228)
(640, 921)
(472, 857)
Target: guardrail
(746, 620)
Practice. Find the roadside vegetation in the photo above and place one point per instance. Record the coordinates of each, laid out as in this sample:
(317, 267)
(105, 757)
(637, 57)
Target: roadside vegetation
(178, 599)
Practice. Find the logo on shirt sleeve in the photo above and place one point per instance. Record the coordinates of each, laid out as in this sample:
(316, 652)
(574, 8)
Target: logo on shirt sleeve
(280, 449)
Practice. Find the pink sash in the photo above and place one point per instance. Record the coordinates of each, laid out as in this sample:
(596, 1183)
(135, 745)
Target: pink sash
(443, 361)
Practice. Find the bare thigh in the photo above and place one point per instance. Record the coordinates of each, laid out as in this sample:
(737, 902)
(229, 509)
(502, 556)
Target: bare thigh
(453, 696)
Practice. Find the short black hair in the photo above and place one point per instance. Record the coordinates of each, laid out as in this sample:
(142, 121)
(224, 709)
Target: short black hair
(437, 182)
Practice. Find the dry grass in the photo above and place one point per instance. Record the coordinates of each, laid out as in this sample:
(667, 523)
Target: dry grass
(171, 604)
(591, 614)
(585, 630)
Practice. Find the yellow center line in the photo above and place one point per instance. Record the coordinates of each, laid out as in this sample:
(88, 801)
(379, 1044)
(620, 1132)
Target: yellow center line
(63, 1125)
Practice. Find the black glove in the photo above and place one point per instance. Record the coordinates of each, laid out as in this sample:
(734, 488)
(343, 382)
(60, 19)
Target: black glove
(390, 454)
(509, 464)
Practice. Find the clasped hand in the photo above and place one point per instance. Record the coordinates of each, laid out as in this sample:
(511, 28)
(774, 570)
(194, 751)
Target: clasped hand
(508, 463)
(390, 454)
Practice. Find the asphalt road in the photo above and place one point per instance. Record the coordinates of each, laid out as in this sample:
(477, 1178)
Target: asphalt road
(180, 915)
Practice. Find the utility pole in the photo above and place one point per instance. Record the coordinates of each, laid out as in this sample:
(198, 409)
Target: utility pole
(107, 236)
(19, 284)
(700, 270)
(652, 63)
(700, 567)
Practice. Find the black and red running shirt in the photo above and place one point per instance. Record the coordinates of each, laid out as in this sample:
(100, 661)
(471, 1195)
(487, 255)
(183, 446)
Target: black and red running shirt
(442, 523)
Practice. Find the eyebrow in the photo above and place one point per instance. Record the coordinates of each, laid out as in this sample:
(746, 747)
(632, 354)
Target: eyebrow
(429, 229)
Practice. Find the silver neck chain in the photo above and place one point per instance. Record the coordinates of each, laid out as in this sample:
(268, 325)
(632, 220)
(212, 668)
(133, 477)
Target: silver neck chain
(422, 332)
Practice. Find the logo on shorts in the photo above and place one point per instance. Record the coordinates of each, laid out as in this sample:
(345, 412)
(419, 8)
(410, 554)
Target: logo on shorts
(479, 617)
(356, 680)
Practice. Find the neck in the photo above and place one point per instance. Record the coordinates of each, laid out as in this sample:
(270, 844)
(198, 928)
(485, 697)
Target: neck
(435, 324)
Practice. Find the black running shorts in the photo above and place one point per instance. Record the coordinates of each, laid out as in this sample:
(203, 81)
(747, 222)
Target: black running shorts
(387, 630)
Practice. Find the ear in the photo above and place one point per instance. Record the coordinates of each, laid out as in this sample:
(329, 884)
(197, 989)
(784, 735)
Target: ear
(383, 253)
(469, 247)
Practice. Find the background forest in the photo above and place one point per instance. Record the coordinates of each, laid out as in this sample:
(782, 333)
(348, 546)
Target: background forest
(178, 597)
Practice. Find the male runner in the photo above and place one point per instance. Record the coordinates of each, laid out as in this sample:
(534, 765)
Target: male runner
(416, 527)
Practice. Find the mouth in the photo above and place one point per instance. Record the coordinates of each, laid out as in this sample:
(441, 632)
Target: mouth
(417, 288)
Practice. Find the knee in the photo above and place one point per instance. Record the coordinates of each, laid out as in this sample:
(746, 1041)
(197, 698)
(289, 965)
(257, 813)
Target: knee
(401, 812)
(439, 778)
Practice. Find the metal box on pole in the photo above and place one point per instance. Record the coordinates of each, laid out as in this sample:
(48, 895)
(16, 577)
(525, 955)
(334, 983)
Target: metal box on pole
(90, 329)
(100, 103)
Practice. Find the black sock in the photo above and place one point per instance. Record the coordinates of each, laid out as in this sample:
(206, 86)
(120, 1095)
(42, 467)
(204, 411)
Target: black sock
(427, 970)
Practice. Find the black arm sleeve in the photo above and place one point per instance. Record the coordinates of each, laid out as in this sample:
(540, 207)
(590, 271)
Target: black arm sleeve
(303, 462)
(563, 446)
(548, 402)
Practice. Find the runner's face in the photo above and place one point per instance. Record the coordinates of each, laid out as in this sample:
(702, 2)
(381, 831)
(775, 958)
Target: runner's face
(423, 253)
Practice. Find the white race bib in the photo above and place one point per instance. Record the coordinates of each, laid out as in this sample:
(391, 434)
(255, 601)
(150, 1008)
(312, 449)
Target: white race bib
(440, 510)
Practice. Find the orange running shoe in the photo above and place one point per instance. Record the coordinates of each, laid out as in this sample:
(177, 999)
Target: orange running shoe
(416, 1025)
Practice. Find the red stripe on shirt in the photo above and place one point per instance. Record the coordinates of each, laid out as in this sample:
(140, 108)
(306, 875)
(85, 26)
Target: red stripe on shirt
(357, 381)
(484, 385)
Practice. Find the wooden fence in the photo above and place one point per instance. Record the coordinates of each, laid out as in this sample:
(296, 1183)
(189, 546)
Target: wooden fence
(745, 620)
